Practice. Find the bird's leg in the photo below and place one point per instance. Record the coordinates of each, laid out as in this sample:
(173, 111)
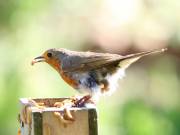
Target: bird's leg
(83, 100)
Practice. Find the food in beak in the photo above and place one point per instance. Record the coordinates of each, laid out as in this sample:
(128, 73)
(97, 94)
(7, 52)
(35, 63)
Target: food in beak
(37, 59)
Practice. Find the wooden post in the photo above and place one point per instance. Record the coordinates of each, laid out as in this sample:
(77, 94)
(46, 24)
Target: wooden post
(43, 121)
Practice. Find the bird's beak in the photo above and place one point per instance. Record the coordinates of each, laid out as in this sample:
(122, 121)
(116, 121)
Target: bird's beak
(38, 59)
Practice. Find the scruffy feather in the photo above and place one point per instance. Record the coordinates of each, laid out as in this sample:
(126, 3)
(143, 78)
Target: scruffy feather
(113, 80)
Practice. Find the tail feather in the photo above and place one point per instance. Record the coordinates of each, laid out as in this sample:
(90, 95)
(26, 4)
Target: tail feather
(129, 59)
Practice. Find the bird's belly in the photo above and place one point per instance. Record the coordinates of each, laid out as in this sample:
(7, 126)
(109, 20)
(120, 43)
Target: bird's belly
(87, 83)
(93, 82)
(82, 82)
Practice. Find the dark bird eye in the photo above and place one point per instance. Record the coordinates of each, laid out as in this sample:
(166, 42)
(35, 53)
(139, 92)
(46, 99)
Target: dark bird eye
(49, 55)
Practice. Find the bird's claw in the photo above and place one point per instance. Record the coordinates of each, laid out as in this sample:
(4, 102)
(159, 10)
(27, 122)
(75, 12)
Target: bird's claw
(74, 102)
(66, 117)
(82, 101)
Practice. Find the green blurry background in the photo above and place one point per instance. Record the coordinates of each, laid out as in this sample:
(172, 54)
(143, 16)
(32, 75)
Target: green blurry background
(148, 99)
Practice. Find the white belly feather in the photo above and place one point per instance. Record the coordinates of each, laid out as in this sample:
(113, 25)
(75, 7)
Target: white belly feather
(113, 81)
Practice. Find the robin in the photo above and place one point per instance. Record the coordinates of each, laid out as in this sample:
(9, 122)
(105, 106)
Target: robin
(92, 73)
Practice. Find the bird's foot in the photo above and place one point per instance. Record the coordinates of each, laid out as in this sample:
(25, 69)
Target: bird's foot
(82, 101)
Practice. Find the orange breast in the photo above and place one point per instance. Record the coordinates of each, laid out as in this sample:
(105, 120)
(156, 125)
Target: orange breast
(56, 65)
(69, 80)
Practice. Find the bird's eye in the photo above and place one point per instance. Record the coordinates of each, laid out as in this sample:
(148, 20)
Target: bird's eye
(49, 55)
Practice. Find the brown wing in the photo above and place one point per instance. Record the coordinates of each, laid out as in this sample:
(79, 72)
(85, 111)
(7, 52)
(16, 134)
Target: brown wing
(90, 61)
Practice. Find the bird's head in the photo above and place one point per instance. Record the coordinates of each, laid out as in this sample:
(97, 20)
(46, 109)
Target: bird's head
(52, 56)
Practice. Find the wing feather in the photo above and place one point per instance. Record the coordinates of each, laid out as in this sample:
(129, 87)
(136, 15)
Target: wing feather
(85, 61)
(88, 61)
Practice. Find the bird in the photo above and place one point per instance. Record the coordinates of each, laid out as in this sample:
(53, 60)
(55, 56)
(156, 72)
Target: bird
(94, 74)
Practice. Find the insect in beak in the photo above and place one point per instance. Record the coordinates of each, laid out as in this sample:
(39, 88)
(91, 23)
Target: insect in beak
(38, 59)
